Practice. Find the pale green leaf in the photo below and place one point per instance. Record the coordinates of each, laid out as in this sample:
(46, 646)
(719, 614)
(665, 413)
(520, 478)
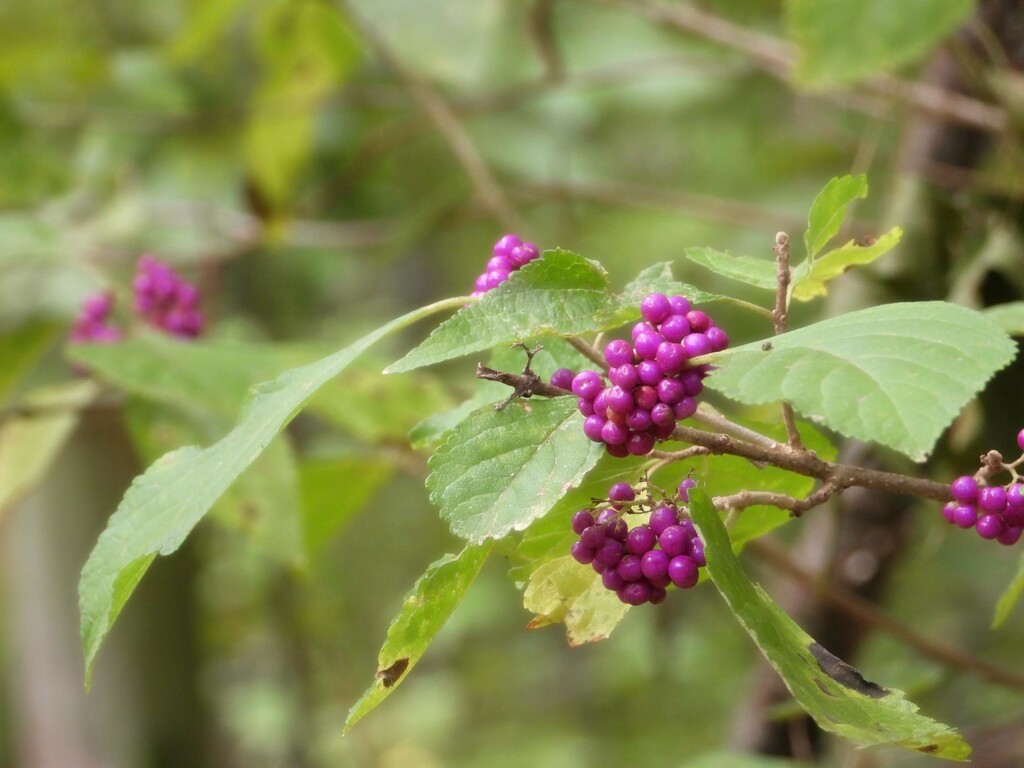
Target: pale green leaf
(759, 273)
(897, 374)
(842, 41)
(500, 470)
(1008, 600)
(832, 692)
(427, 607)
(334, 491)
(810, 283)
(166, 502)
(1009, 317)
(22, 348)
(561, 294)
(562, 590)
(31, 437)
(828, 211)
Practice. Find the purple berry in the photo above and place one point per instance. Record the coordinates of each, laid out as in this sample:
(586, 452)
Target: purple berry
(586, 407)
(675, 328)
(505, 245)
(992, 499)
(618, 451)
(649, 373)
(964, 489)
(685, 408)
(640, 539)
(698, 321)
(662, 518)
(593, 427)
(614, 435)
(662, 414)
(947, 512)
(640, 444)
(581, 521)
(1015, 496)
(611, 580)
(696, 344)
(657, 595)
(680, 305)
(582, 554)
(663, 431)
(718, 338)
(594, 537)
(641, 328)
(522, 255)
(647, 344)
(619, 400)
(670, 357)
(697, 552)
(655, 308)
(624, 376)
(609, 555)
(683, 571)
(621, 492)
(965, 516)
(500, 263)
(587, 384)
(990, 526)
(562, 378)
(671, 391)
(629, 568)
(654, 564)
(1011, 535)
(639, 420)
(646, 397)
(1020, 439)
(618, 352)
(692, 381)
(637, 593)
(674, 540)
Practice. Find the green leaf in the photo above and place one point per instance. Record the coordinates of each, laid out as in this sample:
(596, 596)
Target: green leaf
(334, 491)
(561, 294)
(1008, 600)
(897, 374)
(500, 470)
(828, 211)
(842, 41)
(263, 504)
(201, 375)
(564, 591)
(831, 692)
(166, 502)
(759, 273)
(426, 608)
(31, 439)
(810, 283)
(1009, 317)
(22, 349)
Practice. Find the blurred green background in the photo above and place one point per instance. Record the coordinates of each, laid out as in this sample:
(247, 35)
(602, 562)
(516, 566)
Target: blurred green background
(320, 168)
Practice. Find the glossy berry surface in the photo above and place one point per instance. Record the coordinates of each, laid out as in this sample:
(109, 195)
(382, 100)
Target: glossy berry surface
(507, 255)
(166, 300)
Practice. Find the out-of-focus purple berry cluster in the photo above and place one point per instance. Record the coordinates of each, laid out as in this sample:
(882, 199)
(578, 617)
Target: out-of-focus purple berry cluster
(166, 300)
(994, 511)
(509, 254)
(652, 383)
(640, 563)
(162, 297)
(92, 324)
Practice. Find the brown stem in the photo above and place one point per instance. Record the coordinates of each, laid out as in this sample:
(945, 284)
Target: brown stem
(781, 317)
(588, 351)
(744, 499)
(707, 415)
(868, 613)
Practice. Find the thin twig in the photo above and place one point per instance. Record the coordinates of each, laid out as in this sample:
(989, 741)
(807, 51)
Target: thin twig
(707, 414)
(444, 117)
(588, 351)
(868, 613)
(744, 499)
(777, 58)
(541, 29)
(781, 317)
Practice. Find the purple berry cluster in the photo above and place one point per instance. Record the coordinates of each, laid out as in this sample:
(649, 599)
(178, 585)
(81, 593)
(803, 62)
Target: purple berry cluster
(639, 564)
(92, 324)
(652, 383)
(509, 254)
(166, 300)
(994, 511)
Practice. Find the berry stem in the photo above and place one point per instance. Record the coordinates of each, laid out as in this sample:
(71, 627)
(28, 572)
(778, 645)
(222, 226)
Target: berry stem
(743, 499)
(708, 415)
(588, 351)
(781, 316)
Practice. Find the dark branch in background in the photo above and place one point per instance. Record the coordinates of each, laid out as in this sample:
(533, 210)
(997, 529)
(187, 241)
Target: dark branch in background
(541, 29)
(781, 317)
(776, 57)
(444, 117)
(866, 612)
